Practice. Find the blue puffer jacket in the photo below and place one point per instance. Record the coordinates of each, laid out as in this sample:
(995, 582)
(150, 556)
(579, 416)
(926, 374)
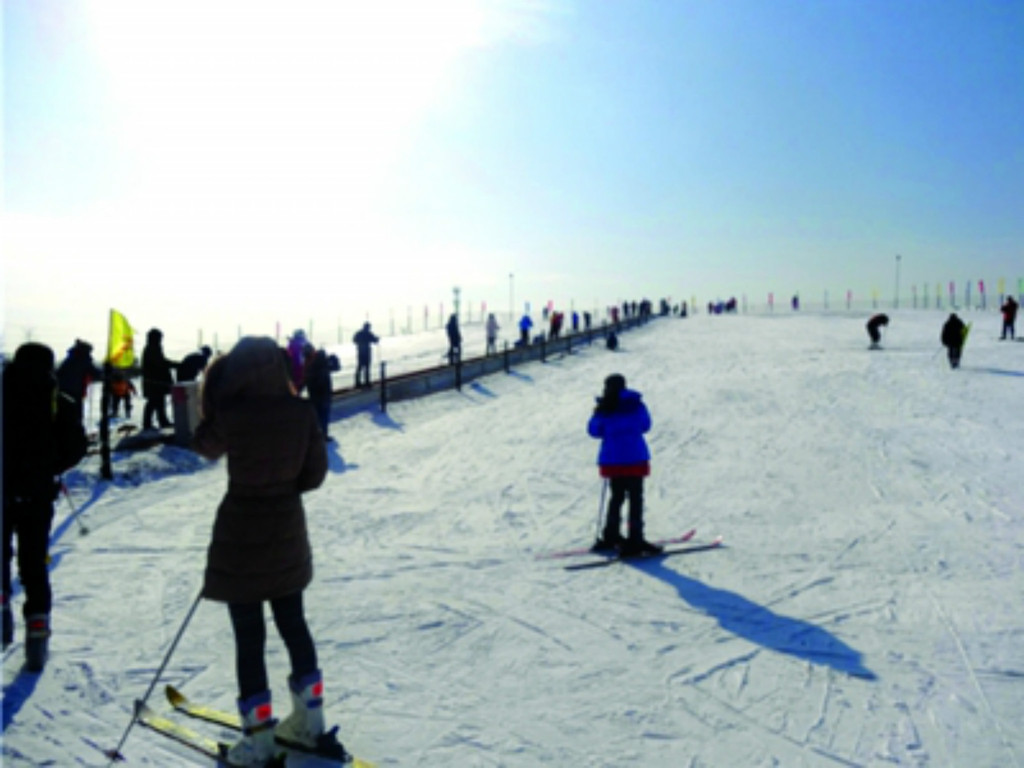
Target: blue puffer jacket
(621, 432)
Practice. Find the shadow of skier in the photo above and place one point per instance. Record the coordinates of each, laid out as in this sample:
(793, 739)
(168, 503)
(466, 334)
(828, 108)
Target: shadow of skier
(16, 693)
(753, 622)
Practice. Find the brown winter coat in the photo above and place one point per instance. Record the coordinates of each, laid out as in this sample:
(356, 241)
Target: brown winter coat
(275, 450)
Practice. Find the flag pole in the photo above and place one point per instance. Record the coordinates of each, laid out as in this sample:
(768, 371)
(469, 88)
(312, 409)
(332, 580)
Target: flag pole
(106, 472)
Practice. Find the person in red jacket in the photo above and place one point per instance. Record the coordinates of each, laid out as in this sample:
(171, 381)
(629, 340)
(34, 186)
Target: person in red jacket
(121, 391)
(620, 421)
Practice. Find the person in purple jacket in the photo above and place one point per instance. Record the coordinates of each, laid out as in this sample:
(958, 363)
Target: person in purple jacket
(620, 421)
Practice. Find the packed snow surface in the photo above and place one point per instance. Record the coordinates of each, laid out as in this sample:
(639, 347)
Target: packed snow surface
(866, 609)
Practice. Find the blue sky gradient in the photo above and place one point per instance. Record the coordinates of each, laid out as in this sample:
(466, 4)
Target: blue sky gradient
(272, 162)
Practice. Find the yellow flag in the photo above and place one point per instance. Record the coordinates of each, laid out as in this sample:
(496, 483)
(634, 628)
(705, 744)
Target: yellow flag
(120, 344)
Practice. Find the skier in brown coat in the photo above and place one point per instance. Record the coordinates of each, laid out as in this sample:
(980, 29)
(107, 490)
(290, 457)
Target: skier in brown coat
(260, 549)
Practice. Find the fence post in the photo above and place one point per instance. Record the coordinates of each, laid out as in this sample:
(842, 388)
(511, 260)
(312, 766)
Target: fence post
(383, 387)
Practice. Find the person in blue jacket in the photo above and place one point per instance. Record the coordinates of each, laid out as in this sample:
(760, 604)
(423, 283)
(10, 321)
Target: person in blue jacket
(525, 324)
(620, 421)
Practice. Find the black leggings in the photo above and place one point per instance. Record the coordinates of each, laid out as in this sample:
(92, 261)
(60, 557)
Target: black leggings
(251, 639)
(30, 521)
(621, 487)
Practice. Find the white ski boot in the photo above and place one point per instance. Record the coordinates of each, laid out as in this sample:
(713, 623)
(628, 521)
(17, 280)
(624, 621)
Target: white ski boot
(256, 747)
(304, 726)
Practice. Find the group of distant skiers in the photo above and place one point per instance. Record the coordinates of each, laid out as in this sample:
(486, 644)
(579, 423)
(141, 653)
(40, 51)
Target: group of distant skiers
(954, 332)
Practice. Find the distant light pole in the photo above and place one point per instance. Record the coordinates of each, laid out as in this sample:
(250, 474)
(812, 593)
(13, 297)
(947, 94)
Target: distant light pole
(896, 298)
(511, 297)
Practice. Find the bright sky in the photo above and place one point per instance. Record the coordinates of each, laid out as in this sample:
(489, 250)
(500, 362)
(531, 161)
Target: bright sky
(215, 165)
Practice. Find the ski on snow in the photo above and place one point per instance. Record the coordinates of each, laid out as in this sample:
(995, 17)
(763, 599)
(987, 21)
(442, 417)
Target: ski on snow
(590, 551)
(602, 562)
(330, 753)
(329, 748)
(210, 748)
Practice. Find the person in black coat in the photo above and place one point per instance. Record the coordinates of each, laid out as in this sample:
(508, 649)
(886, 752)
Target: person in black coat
(873, 325)
(156, 380)
(77, 372)
(953, 339)
(363, 339)
(1009, 310)
(319, 387)
(454, 339)
(42, 437)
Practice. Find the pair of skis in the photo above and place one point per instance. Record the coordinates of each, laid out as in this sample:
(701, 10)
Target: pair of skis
(329, 752)
(601, 559)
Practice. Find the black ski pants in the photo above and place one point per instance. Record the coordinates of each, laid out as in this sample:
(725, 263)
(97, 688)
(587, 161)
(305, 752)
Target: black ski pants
(251, 640)
(30, 521)
(362, 372)
(621, 488)
(953, 354)
(156, 406)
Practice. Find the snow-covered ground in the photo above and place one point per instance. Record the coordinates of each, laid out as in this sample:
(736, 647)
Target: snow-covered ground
(867, 610)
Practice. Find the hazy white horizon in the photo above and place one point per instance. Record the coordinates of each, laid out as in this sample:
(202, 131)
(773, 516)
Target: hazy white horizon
(321, 161)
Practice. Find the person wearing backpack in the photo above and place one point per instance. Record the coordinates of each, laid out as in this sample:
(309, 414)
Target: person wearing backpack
(42, 437)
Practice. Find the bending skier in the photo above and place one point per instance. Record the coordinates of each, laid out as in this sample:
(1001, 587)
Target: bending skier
(873, 325)
(620, 421)
(260, 548)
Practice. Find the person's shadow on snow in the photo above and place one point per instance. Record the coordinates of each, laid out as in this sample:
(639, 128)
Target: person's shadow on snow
(335, 461)
(753, 622)
(383, 419)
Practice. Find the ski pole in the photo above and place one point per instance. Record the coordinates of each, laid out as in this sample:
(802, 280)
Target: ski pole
(82, 529)
(600, 508)
(115, 754)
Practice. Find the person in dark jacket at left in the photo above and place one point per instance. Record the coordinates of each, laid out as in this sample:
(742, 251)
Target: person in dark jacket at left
(157, 380)
(260, 551)
(620, 421)
(42, 437)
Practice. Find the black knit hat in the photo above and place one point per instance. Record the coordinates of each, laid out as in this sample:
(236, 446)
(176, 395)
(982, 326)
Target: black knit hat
(614, 384)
